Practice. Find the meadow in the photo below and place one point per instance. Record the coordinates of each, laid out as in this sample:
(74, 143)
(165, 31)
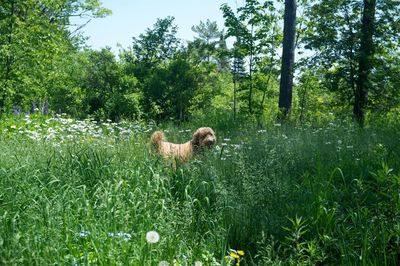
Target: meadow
(87, 193)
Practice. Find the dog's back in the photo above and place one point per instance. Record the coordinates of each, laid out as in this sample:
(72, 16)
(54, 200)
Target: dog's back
(169, 149)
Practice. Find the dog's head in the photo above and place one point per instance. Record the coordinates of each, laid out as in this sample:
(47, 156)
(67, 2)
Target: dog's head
(203, 137)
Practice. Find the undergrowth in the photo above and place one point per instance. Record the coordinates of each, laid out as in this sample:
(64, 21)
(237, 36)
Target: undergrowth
(80, 192)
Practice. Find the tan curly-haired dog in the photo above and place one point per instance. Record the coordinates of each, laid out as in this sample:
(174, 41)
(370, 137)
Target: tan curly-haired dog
(204, 137)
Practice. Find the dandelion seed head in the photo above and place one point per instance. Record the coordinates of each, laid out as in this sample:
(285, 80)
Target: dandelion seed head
(152, 237)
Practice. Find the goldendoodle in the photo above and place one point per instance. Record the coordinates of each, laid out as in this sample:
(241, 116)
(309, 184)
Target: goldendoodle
(204, 137)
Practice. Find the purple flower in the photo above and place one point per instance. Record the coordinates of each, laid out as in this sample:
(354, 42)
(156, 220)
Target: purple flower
(46, 107)
(33, 106)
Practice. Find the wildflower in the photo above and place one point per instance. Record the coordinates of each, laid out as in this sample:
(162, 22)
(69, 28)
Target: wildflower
(125, 236)
(84, 233)
(234, 256)
(237, 146)
(198, 263)
(152, 237)
(163, 263)
(229, 259)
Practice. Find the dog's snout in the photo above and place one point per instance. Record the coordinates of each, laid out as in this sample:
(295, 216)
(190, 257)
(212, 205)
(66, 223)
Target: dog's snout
(209, 141)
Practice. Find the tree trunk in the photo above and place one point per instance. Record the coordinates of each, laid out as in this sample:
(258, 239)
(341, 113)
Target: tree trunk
(234, 98)
(289, 34)
(251, 71)
(365, 60)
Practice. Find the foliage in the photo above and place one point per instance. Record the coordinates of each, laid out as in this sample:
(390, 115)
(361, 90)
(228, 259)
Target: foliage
(208, 38)
(87, 192)
(315, 190)
(333, 31)
(257, 33)
(34, 38)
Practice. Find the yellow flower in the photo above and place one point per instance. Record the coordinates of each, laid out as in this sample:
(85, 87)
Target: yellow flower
(240, 252)
(234, 255)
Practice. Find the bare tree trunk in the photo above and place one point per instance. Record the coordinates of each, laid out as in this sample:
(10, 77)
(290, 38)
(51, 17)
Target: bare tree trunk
(234, 98)
(251, 72)
(365, 60)
(289, 34)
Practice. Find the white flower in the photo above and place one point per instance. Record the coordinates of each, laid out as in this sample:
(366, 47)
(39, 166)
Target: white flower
(163, 263)
(125, 236)
(84, 233)
(198, 263)
(152, 237)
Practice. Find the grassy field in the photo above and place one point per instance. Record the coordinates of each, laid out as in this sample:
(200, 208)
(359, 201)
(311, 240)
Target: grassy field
(83, 193)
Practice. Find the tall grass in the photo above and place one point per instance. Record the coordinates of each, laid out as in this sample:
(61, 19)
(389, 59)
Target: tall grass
(79, 192)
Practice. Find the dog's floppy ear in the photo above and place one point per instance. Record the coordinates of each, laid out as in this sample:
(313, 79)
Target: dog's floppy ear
(196, 138)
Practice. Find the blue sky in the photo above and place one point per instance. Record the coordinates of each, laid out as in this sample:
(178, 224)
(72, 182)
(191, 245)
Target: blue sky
(132, 17)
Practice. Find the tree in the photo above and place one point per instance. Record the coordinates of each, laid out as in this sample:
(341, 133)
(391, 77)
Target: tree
(289, 33)
(337, 34)
(156, 44)
(166, 77)
(254, 25)
(100, 81)
(238, 72)
(34, 37)
(365, 62)
(208, 38)
(182, 84)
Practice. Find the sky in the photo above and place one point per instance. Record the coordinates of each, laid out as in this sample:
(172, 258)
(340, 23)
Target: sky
(132, 17)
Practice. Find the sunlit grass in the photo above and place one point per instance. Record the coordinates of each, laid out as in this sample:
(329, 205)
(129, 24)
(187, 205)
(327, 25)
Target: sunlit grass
(81, 192)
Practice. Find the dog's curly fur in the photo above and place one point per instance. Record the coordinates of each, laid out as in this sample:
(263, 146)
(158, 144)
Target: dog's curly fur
(202, 138)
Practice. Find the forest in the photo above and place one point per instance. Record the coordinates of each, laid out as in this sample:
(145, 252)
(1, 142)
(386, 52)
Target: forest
(345, 63)
(303, 96)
